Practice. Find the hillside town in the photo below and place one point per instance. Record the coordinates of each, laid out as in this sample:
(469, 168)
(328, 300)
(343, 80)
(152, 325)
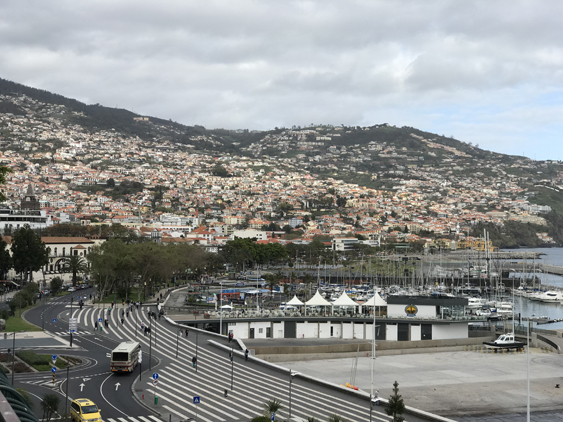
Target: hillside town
(175, 191)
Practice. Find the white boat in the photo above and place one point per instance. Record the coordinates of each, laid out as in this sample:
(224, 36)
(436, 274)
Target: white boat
(501, 308)
(551, 296)
(475, 303)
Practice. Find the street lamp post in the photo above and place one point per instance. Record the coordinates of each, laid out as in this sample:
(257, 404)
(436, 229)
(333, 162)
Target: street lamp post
(67, 381)
(291, 374)
(221, 312)
(232, 367)
(150, 343)
(177, 340)
(13, 357)
(528, 370)
(70, 332)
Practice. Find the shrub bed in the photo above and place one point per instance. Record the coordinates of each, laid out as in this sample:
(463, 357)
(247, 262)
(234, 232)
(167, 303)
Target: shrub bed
(5, 357)
(20, 367)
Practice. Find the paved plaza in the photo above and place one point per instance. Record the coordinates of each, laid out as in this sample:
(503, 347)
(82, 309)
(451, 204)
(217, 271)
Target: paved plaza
(466, 386)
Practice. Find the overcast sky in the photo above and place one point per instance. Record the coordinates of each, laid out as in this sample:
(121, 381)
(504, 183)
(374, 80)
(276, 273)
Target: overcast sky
(486, 72)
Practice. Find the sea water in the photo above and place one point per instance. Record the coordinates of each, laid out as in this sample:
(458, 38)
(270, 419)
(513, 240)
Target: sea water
(527, 307)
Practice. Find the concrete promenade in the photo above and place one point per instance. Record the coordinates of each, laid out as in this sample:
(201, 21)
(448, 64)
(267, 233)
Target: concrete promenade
(465, 386)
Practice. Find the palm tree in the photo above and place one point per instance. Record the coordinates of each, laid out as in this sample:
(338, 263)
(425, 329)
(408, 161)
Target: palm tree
(272, 406)
(336, 418)
(76, 265)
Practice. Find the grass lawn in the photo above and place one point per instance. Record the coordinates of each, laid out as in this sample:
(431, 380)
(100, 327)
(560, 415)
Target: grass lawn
(16, 323)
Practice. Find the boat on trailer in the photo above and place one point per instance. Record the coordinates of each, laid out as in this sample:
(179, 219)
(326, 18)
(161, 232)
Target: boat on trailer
(505, 341)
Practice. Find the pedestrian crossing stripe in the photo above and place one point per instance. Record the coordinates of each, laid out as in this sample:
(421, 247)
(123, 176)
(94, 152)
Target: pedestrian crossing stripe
(148, 418)
(45, 383)
(66, 333)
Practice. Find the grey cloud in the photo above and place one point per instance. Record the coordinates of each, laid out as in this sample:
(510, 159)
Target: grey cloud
(255, 64)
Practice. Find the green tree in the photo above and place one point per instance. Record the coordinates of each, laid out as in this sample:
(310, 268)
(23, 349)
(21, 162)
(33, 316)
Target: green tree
(56, 285)
(29, 252)
(5, 259)
(220, 171)
(50, 405)
(336, 418)
(395, 406)
(110, 183)
(341, 202)
(3, 172)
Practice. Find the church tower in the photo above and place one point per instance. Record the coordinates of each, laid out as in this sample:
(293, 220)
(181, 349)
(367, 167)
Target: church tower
(30, 201)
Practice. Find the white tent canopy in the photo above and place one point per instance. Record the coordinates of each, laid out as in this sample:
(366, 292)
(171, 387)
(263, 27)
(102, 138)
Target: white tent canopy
(376, 300)
(344, 300)
(295, 301)
(317, 300)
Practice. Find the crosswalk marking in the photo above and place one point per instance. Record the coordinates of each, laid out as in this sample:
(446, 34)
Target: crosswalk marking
(80, 333)
(132, 419)
(179, 381)
(201, 408)
(144, 419)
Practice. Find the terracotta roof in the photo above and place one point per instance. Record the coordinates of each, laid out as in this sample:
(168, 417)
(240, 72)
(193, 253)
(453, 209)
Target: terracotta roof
(56, 239)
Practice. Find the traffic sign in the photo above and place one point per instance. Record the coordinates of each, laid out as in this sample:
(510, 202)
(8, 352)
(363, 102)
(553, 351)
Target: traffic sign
(72, 325)
(273, 416)
(155, 376)
(54, 319)
(100, 319)
(54, 359)
(53, 369)
(154, 382)
(140, 356)
(196, 400)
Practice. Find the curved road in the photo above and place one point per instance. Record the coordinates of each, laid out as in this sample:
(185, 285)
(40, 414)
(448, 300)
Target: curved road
(123, 397)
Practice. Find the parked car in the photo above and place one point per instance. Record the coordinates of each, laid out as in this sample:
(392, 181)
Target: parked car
(71, 289)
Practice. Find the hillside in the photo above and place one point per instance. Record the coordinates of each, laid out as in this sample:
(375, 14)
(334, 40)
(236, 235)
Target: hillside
(447, 172)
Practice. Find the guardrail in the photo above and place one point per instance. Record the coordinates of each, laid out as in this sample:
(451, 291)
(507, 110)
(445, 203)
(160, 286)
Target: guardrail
(551, 343)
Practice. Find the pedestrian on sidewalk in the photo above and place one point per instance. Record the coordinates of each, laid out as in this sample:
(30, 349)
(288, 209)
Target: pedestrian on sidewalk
(96, 325)
(187, 332)
(246, 354)
(122, 320)
(106, 323)
(194, 361)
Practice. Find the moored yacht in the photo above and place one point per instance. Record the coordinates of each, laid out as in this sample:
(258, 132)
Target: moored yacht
(551, 296)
